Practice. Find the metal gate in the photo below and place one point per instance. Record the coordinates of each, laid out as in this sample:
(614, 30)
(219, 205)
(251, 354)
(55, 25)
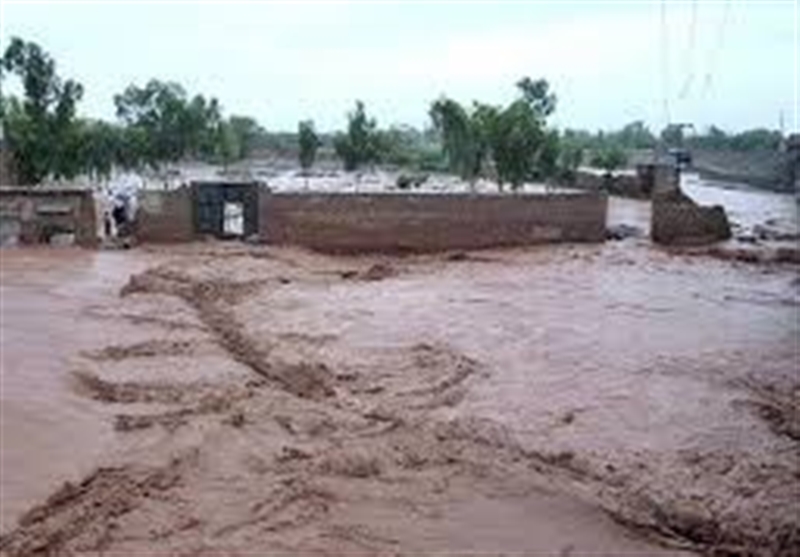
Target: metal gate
(214, 200)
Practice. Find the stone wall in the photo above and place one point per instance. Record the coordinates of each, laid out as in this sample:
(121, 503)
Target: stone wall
(337, 222)
(683, 222)
(32, 215)
(165, 216)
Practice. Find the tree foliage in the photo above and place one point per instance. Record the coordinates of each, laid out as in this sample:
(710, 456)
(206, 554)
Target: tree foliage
(538, 96)
(40, 128)
(459, 138)
(172, 126)
(514, 137)
(759, 139)
(249, 134)
(360, 145)
(308, 142)
(609, 159)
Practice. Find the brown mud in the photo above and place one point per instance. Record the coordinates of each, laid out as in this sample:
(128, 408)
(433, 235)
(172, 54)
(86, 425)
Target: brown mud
(503, 405)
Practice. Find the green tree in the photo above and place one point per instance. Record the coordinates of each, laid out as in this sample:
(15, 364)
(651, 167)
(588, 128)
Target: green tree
(227, 145)
(515, 137)
(570, 158)
(249, 134)
(537, 94)
(672, 135)
(101, 148)
(170, 125)
(40, 128)
(309, 143)
(609, 159)
(459, 138)
(359, 145)
(634, 136)
(518, 139)
(548, 156)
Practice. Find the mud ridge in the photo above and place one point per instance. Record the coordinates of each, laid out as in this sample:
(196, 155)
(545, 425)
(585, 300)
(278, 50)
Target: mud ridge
(211, 300)
(146, 349)
(779, 406)
(690, 526)
(129, 392)
(209, 404)
(85, 515)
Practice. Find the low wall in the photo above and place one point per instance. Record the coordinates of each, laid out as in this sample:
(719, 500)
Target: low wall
(337, 222)
(165, 216)
(686, 223)
(33, 215)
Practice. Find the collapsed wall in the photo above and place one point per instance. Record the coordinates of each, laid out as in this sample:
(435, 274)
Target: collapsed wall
(677, 219)
(34, 215)
(336, 222)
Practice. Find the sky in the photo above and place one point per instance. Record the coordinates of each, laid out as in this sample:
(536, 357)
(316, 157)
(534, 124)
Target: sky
(732, 63)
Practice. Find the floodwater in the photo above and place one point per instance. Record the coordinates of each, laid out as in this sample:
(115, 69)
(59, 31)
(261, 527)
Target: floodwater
(747, 207)
(500, 401)
(48, 434)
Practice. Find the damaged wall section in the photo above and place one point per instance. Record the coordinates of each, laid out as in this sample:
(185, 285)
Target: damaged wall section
(34, 215)
(337, 222)
(679, 220)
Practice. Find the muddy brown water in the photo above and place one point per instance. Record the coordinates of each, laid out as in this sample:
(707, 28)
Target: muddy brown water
(49, 434)
(611, 376)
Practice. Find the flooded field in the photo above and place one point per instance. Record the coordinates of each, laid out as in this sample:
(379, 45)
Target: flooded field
(220, 399)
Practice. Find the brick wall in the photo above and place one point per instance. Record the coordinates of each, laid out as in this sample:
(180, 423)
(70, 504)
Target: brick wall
(402, 222)
(685, 222)
(36, 214)
(165, 216)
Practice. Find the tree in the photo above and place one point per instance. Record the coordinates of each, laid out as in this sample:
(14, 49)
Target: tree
(672, 135)
(515, 137)
(518, 138)
(634, 136)
(309, 143)
(40, 128)
(359, 145)
(569, 159)
(227, 145)
(609, 159)
(538, 96)
(249, 134)
(458, 134)
(170, 126)
(101, 148)
(547, 156)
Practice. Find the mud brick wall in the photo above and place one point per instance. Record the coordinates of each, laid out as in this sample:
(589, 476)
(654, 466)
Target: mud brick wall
(415, 223)
(164, 216)
(36, 214)
(685, 222)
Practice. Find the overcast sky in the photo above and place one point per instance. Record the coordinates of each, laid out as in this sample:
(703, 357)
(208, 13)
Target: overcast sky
(728, 62)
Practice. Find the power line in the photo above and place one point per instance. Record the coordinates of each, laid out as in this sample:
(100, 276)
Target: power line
(687, 84)
(714, 53)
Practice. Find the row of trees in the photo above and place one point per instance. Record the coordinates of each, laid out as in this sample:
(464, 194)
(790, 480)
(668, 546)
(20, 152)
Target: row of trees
(161, 123)
(510, 144)
(636, 135)
(158, 123)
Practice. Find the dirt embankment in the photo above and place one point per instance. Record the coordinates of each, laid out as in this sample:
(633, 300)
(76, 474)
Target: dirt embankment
(371, 456)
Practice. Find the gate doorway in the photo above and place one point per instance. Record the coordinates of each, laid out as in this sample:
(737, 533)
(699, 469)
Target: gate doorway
(226, 210)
